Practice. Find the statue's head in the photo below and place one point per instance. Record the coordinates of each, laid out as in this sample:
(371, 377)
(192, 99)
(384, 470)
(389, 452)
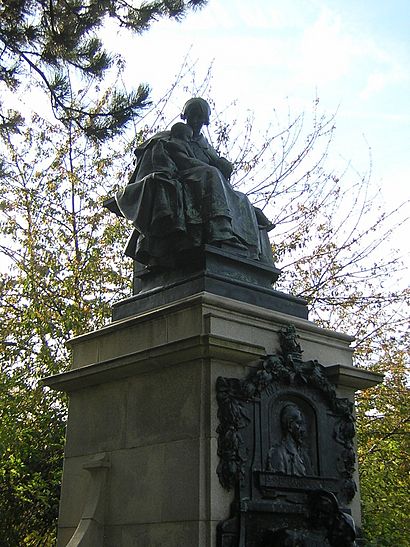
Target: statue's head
(181, 131)
(292, 422)
(196, 112)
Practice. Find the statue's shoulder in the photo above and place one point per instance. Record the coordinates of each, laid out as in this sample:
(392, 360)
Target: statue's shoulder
(162, 135)
(276, 454)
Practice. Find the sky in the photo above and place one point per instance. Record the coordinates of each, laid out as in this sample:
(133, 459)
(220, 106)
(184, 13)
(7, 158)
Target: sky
(275, 54)
(353, 54)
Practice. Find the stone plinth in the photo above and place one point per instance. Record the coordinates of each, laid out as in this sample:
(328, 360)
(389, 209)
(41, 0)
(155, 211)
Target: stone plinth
(213, 270)
(141, 450)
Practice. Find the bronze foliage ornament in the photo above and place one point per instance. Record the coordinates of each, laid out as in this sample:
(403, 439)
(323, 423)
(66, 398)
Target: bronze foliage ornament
(285, 439)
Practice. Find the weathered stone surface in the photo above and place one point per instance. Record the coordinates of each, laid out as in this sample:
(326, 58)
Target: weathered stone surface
(97, 419)
(164, 407)
(206, 314)
(181, 534)
(154, 483)
(76, 482)
(65, 535)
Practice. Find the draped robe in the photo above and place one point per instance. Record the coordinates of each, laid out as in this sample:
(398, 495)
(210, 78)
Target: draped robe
(178, 199)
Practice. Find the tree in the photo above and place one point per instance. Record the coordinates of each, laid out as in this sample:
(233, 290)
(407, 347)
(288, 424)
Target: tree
(383, 435)
(50, 42)
(66, 268)
(63, 274)
(31, 438)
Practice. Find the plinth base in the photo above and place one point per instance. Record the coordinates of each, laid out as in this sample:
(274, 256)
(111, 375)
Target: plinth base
(213, 270)
(141, 449)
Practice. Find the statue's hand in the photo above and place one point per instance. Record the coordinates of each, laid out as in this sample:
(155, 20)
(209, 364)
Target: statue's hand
(225, 167)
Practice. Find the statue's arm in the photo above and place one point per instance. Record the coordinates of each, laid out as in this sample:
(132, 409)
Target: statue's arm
(181, 157)
(224, 165)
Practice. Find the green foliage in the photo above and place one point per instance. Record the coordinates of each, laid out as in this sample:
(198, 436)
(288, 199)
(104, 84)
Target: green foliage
(31, 437)
(64, 252)
(384, 447)
(49, 41)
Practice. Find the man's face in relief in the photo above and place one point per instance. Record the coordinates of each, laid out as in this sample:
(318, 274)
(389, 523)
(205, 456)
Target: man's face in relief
(296, 426)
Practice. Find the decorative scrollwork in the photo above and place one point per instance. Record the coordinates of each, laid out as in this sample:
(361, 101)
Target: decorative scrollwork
(287, 369)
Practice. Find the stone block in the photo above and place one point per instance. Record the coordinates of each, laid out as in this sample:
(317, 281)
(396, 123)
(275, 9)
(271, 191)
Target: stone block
(156, 483)
(97, 419)
(135, 485)
(180, 491)
(64, 536)
(251, 324)
(76, 483)
(243, 327)
(166, 534)
(184, 323)
(164, 406)
(122, 338)
(85, 353)
(141, 335)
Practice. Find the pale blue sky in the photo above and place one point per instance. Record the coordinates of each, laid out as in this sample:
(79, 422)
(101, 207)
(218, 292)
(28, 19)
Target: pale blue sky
(266, 54)
(354, 54)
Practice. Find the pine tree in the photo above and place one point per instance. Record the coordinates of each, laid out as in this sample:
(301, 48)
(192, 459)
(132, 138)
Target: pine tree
(53, 42)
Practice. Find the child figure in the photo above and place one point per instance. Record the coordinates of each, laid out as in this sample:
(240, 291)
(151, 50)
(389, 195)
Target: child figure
(181, 131)
(179, 148)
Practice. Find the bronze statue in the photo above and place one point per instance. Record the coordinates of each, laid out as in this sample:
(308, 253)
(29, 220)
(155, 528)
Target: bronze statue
(329, 521)
(290, 456)
(179, 197)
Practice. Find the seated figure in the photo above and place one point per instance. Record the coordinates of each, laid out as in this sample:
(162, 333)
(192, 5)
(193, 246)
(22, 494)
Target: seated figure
(179, 197)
